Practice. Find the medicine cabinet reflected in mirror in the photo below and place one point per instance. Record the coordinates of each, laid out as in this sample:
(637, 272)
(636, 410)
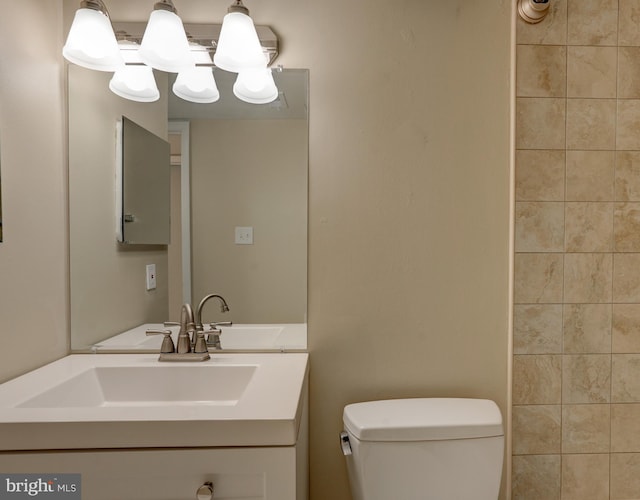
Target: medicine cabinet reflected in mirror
(246, 168)
(142, 185)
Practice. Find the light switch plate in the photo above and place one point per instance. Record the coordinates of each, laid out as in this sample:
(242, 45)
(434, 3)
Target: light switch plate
(151, 276)
(244, 235)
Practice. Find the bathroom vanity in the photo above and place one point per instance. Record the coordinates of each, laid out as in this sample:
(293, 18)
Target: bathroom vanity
(138, 429)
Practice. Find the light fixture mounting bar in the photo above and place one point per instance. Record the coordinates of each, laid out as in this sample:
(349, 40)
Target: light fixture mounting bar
(94, 5)
(206, 35)
(238, 6)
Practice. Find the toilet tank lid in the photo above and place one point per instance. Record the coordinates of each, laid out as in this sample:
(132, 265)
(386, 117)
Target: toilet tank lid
(423, 419)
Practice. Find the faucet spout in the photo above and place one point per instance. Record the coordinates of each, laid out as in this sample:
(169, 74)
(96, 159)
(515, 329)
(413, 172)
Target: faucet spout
(223, 307)
(214, 333)
(187, 325)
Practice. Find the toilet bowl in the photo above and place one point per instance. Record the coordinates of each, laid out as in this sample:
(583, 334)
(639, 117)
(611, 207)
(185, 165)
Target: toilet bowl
(424, 449)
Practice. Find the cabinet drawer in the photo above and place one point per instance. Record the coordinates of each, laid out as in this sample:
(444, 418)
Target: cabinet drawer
(152, 474)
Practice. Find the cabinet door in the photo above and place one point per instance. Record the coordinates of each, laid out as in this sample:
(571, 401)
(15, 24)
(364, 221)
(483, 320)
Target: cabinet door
(236, 473)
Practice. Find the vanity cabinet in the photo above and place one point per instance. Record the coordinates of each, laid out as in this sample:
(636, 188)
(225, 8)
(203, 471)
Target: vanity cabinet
(136, 429)
(270, 473)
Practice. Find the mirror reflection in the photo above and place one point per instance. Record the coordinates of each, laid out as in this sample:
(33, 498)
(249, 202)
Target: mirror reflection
(238, 221)
(0, 207)
(142, 185)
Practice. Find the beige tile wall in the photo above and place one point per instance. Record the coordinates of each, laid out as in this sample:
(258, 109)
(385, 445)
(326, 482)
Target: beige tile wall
(576, 366)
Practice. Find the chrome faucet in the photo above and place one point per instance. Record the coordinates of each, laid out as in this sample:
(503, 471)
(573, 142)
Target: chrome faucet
(214, 332)
(187, 325)
(183, 352)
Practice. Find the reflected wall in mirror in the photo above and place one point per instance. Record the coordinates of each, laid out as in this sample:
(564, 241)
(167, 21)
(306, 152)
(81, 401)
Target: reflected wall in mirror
(0, 204)
(247, 166)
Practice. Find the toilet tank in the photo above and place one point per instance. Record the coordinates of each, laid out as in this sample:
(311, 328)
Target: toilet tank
(424, 449)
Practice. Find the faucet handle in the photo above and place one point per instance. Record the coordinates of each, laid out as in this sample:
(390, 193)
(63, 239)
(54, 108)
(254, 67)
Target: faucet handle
(216, 324)
(171, 323)
(200, 344)
(167, 341)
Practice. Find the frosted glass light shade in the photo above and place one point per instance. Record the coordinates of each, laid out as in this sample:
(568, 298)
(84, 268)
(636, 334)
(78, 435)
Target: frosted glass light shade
(91, 42)
(238, 46)
(255, 86)
(135, 83)
(164, 44)
(196, 85)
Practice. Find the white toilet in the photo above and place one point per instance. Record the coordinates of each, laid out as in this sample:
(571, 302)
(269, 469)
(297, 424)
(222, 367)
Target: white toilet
(424, 449)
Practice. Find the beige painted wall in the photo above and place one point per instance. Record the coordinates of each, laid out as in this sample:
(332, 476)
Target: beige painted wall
(409, 210)
(250, 173)
(108, 294)
(33, 255)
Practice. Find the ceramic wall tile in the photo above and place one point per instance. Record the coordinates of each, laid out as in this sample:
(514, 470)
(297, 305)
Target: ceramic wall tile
(587, 328)
(586, 428)
(627, 176)
(628, 72)
(592, 22)
(578, 147)
(541, 71)
(591, 72)
(537, 379)
(625, 428)
(552, 32)
(538, 278)
(540, 175)
(586, 378)
(536, 429)
(537, 329)
(625, 475)
(626, 227)
(591, 124)
(625, 378)
(590, 175)
(626, 278)
(587, 277)
(628, 124)
(540, 123)
(588, 227)
(625, 335)
(585, 477)
(628, 22)
(539, 226)
(536, 477)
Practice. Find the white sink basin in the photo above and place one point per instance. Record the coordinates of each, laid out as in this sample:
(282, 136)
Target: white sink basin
(134, 401)
(148, 386)
(285, 336)
(250, 336)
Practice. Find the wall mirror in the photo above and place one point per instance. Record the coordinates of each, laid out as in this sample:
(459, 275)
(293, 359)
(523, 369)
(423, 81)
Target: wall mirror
(237, 169)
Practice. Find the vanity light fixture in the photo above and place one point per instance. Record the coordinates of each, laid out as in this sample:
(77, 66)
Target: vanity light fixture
(164, 44)
(255, 86)
(134, 80)
(135, 83)
(238, 46)
(91, 42)
(197, 84)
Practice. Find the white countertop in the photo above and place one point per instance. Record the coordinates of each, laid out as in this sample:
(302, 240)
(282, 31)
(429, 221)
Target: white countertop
(267, 413)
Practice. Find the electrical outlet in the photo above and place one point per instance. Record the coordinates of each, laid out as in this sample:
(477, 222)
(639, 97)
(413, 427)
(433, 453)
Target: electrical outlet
(151, 276)
(244, 235)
